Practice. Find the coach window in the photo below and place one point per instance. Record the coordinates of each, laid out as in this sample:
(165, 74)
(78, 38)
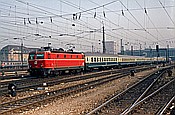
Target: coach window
(87, 59)
(91, 59)
(77, 56)
(57, 56)
(64, 56)
(70, 56)
(94, 59)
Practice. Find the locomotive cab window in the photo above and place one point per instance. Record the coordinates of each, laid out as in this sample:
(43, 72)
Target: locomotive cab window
(40, 56)
(31, 56)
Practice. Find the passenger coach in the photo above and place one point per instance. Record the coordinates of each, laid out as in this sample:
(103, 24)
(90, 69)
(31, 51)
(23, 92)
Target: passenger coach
(100, 61)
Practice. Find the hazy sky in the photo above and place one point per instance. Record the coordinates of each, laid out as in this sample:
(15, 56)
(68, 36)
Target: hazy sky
(80, 22)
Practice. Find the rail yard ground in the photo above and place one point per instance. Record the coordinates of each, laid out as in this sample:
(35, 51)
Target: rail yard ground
(83, 102)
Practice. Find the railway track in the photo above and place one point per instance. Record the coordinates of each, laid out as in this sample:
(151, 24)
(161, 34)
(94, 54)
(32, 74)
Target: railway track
(155, 102)
(123, 102)
(26, 103)
(168, 108)
(26, 84)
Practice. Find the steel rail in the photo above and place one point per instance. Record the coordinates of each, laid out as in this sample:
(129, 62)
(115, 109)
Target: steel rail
(143, 94)
(51, 82)
(162, 110)
(138, 103)
(116, 96)
(57, 93)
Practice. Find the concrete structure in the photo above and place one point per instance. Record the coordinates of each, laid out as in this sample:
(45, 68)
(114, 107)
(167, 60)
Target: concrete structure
(111, 47)
(13, 53)
(163, 52)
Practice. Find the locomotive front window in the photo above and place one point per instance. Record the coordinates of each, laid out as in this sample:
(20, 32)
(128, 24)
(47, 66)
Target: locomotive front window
(40, 56)
(31, 56)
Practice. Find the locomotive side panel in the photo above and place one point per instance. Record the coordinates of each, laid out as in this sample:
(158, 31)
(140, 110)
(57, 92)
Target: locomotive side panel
(47, 62)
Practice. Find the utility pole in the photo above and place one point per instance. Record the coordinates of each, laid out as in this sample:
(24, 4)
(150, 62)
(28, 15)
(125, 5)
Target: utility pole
(132, 50)
(157, 49)
(122, 48)
(21, 50)
(22, 53)
(140, 48)
(104, 48)
(168, 53)
(92, 48)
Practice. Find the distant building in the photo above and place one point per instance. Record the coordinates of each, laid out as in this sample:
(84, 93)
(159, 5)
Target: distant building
(13, 53)
(148, 52)
(111, 47)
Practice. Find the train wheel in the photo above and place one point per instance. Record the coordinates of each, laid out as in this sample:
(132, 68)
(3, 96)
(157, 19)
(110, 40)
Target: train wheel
(60, 72)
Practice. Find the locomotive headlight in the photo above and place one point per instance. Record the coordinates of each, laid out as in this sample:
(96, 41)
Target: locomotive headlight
(30, 66)
(41, 65)
(35, 62)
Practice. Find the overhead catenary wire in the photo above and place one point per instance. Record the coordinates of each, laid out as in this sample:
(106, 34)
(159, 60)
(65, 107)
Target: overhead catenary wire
(122, 27)
(81, 26)
(167, 12)
(146, 13)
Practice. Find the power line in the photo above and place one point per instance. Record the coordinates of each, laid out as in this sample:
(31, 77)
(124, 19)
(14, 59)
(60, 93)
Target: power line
(167, 12)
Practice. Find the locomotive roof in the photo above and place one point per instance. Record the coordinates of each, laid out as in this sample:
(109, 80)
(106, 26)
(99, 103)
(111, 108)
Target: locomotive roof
(53, 50)
(57, 52)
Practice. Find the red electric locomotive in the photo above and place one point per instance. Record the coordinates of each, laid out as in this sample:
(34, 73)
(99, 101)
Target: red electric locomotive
(50, 61)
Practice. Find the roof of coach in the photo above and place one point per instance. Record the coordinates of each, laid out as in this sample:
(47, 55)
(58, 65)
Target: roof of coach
(127, 56)
(111, 55)
(100, 55)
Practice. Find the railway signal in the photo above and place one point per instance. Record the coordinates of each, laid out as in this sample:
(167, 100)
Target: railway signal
(132, 72)
(12, 89)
